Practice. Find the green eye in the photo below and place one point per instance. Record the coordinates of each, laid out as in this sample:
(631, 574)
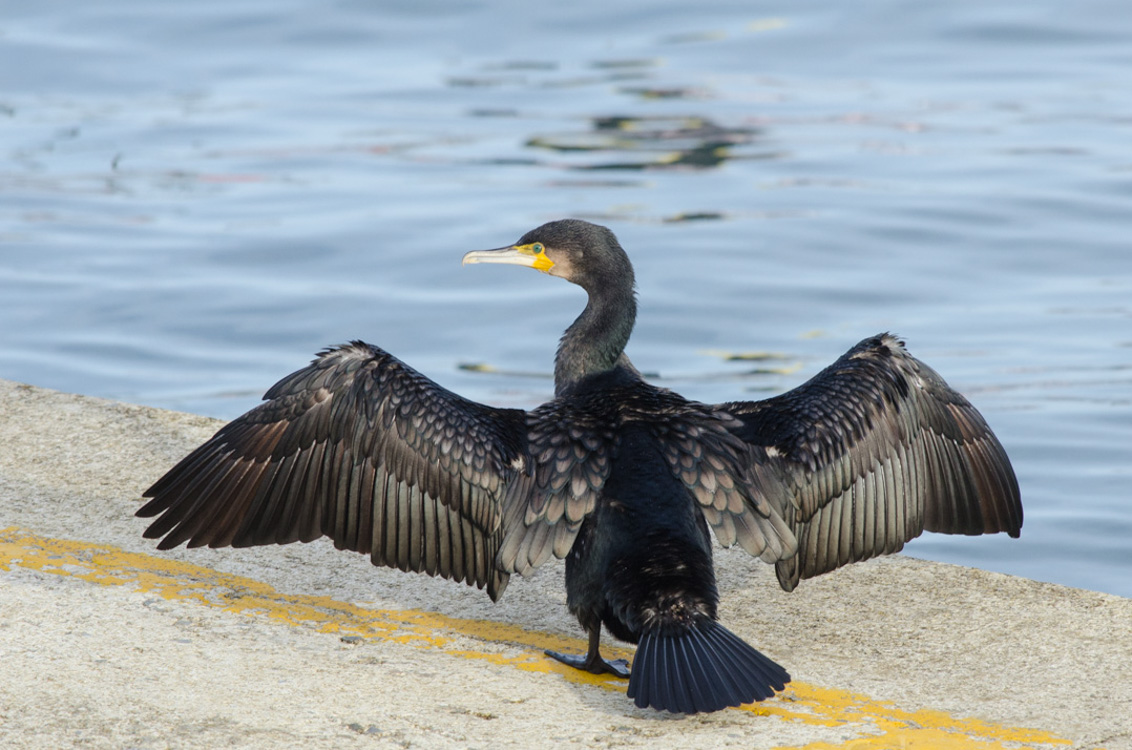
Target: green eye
(537, 247)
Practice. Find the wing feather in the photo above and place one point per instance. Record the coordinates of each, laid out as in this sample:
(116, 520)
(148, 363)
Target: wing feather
(871, 452)
(571, 444)
(363, 449)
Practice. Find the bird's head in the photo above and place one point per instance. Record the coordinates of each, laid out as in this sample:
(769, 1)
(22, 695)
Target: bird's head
(578, 251)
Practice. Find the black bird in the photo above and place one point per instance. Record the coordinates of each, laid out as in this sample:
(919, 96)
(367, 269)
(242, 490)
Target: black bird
(618, 476)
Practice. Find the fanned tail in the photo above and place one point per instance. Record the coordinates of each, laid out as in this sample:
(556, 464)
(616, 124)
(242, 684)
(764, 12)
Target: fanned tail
(705, 668)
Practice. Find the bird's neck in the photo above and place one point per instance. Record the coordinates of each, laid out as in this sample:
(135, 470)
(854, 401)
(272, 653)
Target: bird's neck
(596, 340)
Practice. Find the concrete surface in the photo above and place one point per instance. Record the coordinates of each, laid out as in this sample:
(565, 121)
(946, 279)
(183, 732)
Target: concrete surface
(107, 643)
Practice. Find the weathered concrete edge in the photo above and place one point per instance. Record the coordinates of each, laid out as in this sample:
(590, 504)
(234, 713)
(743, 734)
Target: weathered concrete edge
(922, 634)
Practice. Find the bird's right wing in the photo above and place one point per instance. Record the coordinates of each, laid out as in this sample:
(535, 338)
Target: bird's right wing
(874, 450)
(363, 449)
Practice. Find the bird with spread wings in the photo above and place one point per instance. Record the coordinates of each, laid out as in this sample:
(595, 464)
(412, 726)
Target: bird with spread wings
(619, 477)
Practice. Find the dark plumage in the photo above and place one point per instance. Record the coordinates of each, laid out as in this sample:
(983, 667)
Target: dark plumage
(618, 476)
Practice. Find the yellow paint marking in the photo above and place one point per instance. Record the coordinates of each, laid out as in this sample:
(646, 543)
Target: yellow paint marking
(882, 725)
(896, 729)
(174, 580)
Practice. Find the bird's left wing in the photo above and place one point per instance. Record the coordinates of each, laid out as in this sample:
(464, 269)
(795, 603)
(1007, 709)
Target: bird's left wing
(571, 449)
(363, 449)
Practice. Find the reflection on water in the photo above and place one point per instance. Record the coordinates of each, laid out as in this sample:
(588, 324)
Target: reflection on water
(195, 198)
(666, 142)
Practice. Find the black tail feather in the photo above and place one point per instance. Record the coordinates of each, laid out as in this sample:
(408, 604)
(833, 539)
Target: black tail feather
(706, 668)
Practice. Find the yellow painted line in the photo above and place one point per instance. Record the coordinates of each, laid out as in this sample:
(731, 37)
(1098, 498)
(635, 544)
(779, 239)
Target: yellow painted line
(882, 725)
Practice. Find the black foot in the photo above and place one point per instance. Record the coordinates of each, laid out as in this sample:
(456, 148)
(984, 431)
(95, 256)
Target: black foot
(617, 667)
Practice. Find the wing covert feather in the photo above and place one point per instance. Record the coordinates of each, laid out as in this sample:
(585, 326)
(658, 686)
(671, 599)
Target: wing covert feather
(572, 445)
(574, 441)
(734, 492)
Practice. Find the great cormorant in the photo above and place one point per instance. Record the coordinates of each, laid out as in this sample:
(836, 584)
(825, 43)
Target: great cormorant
(618, 476)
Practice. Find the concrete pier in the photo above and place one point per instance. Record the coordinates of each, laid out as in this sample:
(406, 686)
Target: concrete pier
(107, 643)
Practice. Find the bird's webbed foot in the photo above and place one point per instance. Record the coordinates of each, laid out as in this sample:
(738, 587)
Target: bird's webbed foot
(598, 665)
(592, 661)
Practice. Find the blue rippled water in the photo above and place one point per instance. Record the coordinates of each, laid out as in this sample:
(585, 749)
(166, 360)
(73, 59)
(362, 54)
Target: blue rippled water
(195, 197)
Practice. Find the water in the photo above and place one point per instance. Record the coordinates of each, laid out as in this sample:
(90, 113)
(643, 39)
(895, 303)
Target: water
(196, 197)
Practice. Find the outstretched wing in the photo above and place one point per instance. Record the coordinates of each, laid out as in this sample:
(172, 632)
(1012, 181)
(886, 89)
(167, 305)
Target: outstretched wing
(363, 449)
(875, 449)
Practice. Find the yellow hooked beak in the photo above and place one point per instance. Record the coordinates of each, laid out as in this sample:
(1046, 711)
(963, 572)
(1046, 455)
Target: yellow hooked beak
(532, 256)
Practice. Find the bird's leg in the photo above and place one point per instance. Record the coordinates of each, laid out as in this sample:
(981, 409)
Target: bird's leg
(592, 661)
